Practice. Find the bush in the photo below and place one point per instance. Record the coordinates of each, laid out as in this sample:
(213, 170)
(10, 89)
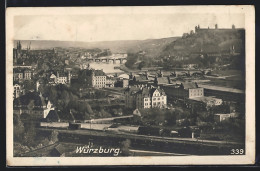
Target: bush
(125, 147)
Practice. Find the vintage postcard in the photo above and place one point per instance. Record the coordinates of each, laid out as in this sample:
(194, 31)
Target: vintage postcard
(160, 85)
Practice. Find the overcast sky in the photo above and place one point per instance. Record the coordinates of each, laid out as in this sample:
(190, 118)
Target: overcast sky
(98, 27)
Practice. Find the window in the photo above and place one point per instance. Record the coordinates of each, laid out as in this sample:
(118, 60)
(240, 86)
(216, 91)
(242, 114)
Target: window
(154, 103)
(154, 98)
(158, 98)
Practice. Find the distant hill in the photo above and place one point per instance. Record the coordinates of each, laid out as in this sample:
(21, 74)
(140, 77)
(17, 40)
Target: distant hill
(207, 41)
(150, 46)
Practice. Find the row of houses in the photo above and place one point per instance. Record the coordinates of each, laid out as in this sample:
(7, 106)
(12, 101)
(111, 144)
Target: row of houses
(98, 79)
(20, 74)
(60, 78)
(145, 97)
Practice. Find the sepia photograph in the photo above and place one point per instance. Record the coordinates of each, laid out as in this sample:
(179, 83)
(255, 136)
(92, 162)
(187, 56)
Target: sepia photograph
(164, 85)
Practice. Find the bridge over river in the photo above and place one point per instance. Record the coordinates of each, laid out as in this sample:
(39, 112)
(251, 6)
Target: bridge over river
(113, 59)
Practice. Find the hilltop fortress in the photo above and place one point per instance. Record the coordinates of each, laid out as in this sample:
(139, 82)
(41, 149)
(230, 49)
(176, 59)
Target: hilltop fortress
(216, 29)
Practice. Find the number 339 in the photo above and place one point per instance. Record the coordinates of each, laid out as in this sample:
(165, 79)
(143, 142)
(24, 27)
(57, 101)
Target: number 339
(237, 151)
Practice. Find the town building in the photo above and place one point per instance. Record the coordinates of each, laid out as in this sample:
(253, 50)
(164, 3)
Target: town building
(185, 90)
(60, 78)
(92, 78)
(110, 82)
(223, 117)
(27, 74)
(206, 101)
(18, 91)
(225, 93)
(124, 76)
(20, 74)
(140, 97)
(162, 81)
(122, 83)
(98, 79)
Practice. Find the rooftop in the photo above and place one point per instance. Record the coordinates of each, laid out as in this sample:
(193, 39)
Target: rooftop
(145, 91)
(189, 85)
(226, 89)
(204, 98)
(163, 80)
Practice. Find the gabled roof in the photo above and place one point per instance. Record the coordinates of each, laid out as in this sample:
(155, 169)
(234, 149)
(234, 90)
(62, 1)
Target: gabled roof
(152, 90)
(145, 92)
(137, 112)
(189, 85)
(132, 90)
(141, 78)
(126, 76)
(163, 80)
(62, 74)
(59, 149)
(53, 116)
(53, 76)
(89, 72)
(99, 73)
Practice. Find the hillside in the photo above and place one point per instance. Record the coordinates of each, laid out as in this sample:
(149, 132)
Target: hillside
(150, 46)
(207, 41)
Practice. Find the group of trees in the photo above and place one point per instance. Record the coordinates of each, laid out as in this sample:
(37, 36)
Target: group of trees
(59, 95)
(132, 58)
(138, 61)
(158, 116)
(24, 132)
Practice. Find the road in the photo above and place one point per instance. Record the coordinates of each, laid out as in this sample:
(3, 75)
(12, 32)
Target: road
(146, 137)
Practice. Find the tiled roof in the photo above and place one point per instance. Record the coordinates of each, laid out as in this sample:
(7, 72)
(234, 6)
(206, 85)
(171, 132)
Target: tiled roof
(146, 92)
(189, 85)
(53, 116)
(163, 80)
(132, 90)
(99, 73)
(141, 78)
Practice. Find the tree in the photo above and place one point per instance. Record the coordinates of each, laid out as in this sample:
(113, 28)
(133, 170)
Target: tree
(141, 65)
(131, 60)
(171, 118)
(18, 128)
(54, 137)
(53, 95)
(89, 109)
(30, 106)
(125, 147)
(45, 67)
(29, 135)
(65, 97)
